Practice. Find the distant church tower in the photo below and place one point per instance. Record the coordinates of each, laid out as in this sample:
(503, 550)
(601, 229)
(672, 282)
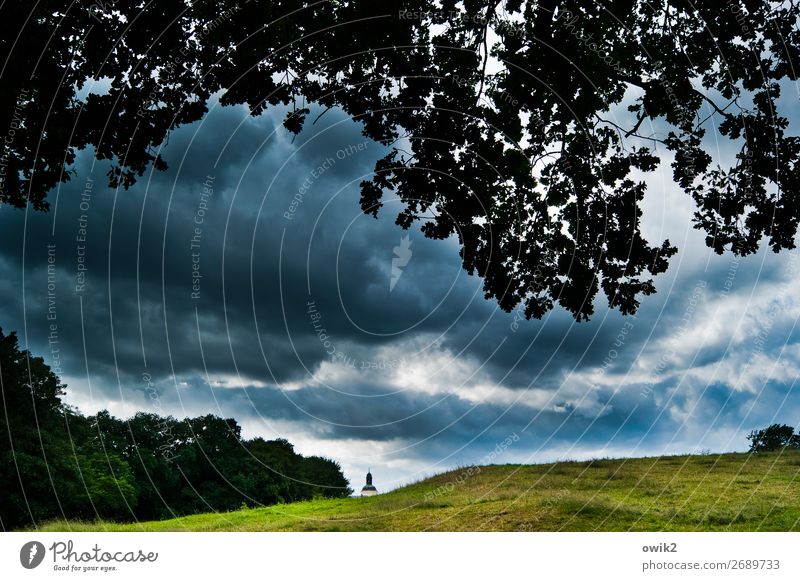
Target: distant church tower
(368, 489)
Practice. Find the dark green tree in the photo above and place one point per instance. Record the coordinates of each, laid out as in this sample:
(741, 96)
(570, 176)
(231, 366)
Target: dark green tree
(775, 437)
(324, 478)
(275, 475)
(39, 476)
(111, 487)
(151, 451)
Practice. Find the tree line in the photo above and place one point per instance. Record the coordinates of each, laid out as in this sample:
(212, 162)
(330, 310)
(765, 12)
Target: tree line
(58, 463)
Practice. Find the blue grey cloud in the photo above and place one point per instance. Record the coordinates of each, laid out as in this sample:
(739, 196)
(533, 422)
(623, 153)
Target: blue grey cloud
(246, 281)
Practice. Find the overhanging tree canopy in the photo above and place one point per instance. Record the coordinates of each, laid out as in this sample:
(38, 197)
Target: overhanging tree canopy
(522, 128)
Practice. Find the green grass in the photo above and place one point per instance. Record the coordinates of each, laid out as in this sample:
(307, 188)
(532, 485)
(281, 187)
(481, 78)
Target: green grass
(738, 492)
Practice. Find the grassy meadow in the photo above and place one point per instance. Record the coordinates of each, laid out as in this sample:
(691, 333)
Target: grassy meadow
(736, 492)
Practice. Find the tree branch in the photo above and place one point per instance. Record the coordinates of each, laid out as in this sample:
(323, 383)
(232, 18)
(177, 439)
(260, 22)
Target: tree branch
(490, 10)
(320, 115)
(714, 105)
(627, 134)
(636, 127)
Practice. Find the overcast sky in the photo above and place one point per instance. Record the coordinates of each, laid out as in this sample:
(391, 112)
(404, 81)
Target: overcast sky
(425, 373)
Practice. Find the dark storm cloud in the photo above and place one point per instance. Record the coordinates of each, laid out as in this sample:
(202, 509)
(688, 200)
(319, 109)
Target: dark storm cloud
(290, 269)
(427, 422)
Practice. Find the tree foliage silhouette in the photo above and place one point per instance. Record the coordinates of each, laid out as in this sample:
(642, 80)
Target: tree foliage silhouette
(775, 437)
(523, 128)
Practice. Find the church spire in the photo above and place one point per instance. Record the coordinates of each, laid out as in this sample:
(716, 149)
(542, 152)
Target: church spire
(369, 489)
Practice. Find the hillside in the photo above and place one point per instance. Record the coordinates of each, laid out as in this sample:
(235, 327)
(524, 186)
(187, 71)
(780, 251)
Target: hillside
(739, 492)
